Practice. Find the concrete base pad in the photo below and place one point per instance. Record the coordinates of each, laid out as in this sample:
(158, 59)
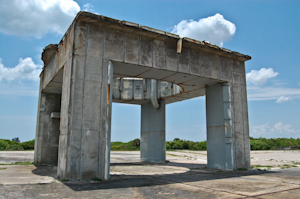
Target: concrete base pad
(185, 175)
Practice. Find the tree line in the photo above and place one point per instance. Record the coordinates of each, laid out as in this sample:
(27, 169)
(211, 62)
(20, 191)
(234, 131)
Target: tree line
(16, 145)
(134, 145)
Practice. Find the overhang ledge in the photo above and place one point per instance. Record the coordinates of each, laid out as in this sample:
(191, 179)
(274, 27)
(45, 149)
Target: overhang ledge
(154, 33)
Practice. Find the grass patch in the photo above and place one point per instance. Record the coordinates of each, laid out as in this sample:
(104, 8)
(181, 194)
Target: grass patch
(242, 169)
(171, 154)
(261, 166)
(23, 163)
(19, 163)
(286, 166)
(296, 163)
(54, 181)
(64, 180)
(2, 168)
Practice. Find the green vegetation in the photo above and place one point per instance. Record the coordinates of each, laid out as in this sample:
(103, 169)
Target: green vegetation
(19, 163)
(185, 144)
(2, 168)
(8, 145)
(134, 145)
(270, 144)
(266, 167)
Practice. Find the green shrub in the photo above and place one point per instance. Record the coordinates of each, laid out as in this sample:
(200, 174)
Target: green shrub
(267, 144)
(200, 146)
(185, 144)
(137, 142)
(3, 145)
(133, 145)
(177, 145)
(169, 145)
(14, 147)
(29, 145)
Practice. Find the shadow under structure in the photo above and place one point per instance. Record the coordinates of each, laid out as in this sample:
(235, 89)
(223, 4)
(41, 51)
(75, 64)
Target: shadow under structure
(102, 60)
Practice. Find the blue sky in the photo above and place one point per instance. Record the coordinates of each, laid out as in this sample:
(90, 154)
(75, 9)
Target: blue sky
(266, 30)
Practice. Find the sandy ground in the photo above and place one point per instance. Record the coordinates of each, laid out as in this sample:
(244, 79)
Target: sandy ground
(276, 175)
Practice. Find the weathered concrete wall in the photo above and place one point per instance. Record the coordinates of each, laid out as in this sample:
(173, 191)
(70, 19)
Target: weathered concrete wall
(153, 133)
(84, 109)
(47, 129)
(240, 116)
(61, 57)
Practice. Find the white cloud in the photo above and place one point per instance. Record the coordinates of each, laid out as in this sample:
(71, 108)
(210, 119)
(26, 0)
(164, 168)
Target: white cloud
(36, 17)
(260, 77)
(271, 93)
(281, 128)
(278, 130)
(257, 91)
(88, 7)
(283, 99)
(25, 70)
(261, 129)
(214, 29)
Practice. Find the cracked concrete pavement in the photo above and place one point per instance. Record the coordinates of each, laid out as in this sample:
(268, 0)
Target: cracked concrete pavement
(185, 175)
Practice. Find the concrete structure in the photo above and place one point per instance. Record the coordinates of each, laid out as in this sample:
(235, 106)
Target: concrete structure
(102, 60)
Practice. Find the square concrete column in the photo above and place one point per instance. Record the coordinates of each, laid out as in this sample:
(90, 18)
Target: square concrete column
(85, 121)
(223, 146)
(47, 129)
(84, 144)
(153, 133)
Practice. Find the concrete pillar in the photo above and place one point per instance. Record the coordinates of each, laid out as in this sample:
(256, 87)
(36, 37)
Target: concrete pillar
(219, 127)
(47, 130)
(153, 133)
(84, 144)
(228, 145)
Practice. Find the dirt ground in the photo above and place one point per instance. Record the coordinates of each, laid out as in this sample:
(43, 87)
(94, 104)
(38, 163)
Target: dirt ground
(275, 174)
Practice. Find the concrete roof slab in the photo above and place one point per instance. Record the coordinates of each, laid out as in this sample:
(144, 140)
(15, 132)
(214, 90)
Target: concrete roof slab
(202, 82)
(179, 78)
(154, 73)
(128, 70)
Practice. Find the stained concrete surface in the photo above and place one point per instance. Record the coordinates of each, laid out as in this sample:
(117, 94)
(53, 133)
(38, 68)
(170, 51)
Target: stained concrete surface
(185, 175)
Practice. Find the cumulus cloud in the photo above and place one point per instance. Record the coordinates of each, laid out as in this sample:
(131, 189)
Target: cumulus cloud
(36, 17)
(261, 129)
(258, 91)
(260, 77)
(88, 7)
(25, 70)
(214, 29)
(283, 99)
(278, 130)
(284, 129)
